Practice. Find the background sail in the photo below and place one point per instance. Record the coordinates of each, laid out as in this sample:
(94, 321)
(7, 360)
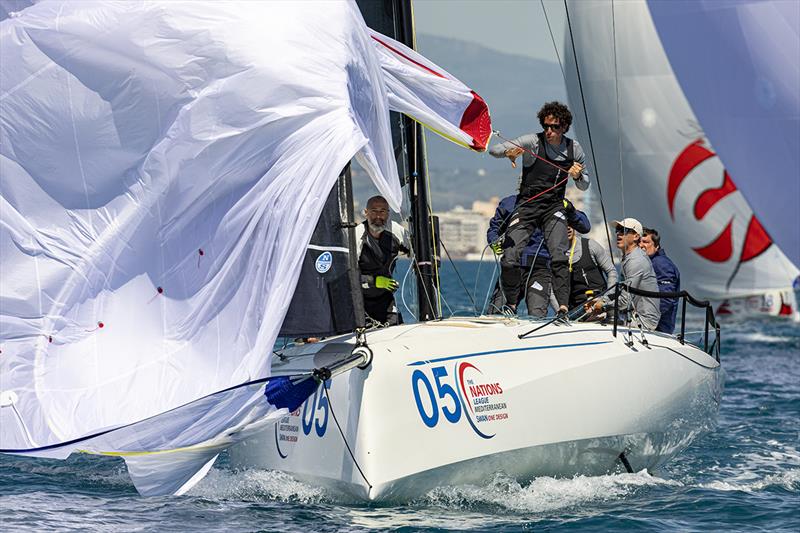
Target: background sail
(737, 63)
(654, 160)
(164, 166)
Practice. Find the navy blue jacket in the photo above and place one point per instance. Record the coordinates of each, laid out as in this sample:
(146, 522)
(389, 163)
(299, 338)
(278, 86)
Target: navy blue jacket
(499, 223)
(669, 280)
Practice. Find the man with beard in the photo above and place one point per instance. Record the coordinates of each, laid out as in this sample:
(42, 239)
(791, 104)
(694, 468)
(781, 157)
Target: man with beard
(379, 242)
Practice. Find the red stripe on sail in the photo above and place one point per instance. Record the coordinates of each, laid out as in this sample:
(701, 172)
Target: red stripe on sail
(477, 123)
(692, 155)
(756, 241)
(709, 198)
(401, 54)
(721, 249)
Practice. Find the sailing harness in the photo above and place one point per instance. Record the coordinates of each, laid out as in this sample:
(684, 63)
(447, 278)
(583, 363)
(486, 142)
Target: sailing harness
(585, 276)
(540, 158)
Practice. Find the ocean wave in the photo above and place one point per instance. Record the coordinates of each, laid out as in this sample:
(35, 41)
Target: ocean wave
(759, 337)
(761, 470)
(257, 485)
(789, 480)
(544, 494)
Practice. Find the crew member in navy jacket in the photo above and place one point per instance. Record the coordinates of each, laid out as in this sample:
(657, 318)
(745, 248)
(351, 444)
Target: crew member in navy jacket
(535, 259)
(668, 275)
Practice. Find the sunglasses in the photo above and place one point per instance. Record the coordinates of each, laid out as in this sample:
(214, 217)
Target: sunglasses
(553, 127)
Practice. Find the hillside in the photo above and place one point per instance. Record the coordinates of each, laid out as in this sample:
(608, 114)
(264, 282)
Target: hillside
(514, 87)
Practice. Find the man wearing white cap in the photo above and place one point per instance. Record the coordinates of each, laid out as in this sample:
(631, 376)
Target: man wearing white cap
(637, 272)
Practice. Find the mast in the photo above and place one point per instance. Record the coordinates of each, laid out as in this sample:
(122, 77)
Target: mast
(421, 221)
(347, 216)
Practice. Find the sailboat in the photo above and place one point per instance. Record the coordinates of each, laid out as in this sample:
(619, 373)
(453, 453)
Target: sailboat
(453, 401)
(176, 197)
(652, 151)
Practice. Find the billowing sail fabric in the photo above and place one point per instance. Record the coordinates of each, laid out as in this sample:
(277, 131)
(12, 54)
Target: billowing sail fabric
(163, 168)
(653, 158)
(737, 63)
(431, 96)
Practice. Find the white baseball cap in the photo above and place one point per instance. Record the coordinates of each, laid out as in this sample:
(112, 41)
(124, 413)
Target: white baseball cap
(629, 223)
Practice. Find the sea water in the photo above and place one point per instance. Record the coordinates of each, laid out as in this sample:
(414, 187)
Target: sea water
(745, 476)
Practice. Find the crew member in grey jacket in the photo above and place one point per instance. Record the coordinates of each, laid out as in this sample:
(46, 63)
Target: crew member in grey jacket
(637, 272)
(591, 270)
(549, 159)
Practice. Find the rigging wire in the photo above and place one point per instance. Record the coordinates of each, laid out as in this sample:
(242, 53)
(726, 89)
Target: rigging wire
(344, 439)
(552, 38)
(588, 131)
(471, 299)
(616, 93)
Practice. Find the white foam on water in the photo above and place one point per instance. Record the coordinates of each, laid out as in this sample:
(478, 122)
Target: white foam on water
(790, 480)
(757, 336)
(257, 485)
(761, 470)
(544, 494)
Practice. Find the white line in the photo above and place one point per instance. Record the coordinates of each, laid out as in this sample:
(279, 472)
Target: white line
(329, 248)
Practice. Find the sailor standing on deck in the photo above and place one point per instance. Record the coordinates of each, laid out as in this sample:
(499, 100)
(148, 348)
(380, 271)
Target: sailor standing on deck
(377, 252)
(541, 197)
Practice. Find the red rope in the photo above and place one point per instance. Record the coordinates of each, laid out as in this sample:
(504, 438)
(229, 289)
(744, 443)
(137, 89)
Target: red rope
(537, 156)
(534, 197)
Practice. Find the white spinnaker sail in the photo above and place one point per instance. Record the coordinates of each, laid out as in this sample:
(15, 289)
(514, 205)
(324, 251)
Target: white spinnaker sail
(163, 167)
(653, 158)
(738, 62)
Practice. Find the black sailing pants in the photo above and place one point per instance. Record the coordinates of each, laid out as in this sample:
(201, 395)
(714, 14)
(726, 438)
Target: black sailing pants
(538, 281)
(554, 226)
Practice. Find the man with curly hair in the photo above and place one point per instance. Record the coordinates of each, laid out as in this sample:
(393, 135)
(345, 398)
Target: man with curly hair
(549, 159)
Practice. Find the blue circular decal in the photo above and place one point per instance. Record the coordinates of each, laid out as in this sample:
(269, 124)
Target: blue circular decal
(324, 262)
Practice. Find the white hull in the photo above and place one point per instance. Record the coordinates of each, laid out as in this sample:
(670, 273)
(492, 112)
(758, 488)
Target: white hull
(566, 401)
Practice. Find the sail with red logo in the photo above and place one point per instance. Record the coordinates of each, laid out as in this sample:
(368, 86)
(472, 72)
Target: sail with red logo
(744, 85)
(655, 161)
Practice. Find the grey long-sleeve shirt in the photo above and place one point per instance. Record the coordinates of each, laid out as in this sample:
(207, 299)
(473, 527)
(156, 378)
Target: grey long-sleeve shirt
(530, 142)
(637, 272)
(600, 256)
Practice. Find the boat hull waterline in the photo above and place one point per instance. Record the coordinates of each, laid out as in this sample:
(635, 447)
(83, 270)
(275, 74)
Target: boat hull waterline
(456, 401)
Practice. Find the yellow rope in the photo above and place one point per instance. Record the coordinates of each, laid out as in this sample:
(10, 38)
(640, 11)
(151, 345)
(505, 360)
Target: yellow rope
(572, 251)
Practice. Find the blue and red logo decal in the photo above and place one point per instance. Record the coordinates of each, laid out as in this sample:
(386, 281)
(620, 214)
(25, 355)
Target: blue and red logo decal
(466, 393)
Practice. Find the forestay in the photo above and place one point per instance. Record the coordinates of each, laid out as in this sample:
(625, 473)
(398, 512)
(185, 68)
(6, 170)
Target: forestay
(164, 165)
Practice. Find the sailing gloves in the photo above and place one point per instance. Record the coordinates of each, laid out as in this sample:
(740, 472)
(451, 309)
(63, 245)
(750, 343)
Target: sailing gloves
(568, 207)
(497, 247)
(382, 282)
